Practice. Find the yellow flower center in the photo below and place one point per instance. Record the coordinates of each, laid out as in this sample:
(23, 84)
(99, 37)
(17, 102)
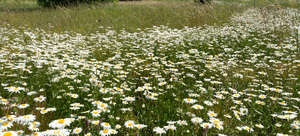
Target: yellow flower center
(217, 122)
(5, 124)
(7, 134)
(294, 126)
(61, 121)
(105, 131)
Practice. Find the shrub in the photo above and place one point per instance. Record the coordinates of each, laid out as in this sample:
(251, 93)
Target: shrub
(55, 3)
(202, 1)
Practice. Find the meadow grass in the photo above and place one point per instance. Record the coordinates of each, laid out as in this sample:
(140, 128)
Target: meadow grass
(130, 16)
(240, 77)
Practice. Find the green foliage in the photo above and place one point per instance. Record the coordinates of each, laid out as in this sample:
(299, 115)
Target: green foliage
(123, 15)
(55, 3)
(130, 0)
(203, 1)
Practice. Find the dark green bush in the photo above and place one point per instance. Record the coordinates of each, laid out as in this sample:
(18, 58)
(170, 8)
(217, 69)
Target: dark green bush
(202, 1)
(55, 3)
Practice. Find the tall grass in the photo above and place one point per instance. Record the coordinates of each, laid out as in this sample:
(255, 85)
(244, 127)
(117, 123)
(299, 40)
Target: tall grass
(124, 15)
(130, 16)
(245, 72)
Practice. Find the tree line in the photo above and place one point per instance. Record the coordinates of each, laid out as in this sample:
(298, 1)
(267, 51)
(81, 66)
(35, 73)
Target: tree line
(62, 3)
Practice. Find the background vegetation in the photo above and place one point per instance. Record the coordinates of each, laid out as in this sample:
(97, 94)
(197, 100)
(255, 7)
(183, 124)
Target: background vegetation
(130, 16)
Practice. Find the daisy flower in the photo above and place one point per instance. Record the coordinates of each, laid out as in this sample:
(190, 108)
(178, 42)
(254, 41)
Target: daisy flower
(236, 95)
(105, 132)
(113, 131)
(170, 127)
(33, 128)
(103, 90)
(102, 106)
(96, 113)
(243, 111)
(247, 128)
(129, 124)
(208, 103)
(105, 125)
(23, 106)
(181, 122)
(212, 114)
(77, 131)
(15, 89)
(4, 125)
(40, 99)
(140, 126)
(61, 123)
(37, 134)
(259, 125)
(26, 119)
(260, 102)
(88, 134)
(281, 134)
(218, 126)
(189, 100)
(9, 133)
(58, 132)
(118, 126)
(215, 121)
(262, 96)
(206, 125)
(35, 124)
(197, 107)
(44, 111)
(197, 120)
(159, 130)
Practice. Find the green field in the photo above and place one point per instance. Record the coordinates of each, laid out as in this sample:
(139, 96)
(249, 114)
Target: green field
(146, 68)
(123, 15)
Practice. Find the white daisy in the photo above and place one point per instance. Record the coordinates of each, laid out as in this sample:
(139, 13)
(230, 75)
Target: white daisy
(61, 123)
(77, 130)
(159, 130)
(197, 107)
(105, 125)
(189, 100)
(196, 120)
(129, 124)
(105, 132)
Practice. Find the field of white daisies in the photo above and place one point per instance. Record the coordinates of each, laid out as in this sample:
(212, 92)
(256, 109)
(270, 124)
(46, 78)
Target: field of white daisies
(241, 78)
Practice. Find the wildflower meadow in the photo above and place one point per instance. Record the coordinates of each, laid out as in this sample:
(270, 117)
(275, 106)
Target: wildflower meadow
(237, 79)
